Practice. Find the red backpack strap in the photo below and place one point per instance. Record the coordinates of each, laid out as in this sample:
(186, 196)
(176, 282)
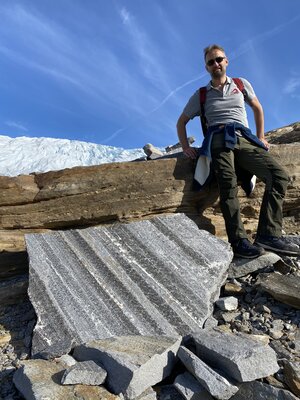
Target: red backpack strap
(240, 86)
(202, 97)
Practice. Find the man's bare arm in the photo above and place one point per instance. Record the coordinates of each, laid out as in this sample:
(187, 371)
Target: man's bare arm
(182, 136)
(259, 120)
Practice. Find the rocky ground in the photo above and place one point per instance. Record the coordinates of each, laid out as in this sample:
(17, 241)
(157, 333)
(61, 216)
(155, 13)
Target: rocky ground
(257, 313)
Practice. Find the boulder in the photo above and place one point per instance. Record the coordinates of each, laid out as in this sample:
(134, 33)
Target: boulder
(284, 288)
(40, 379)
(261, 391)
(291, 372)
(153, 277)
(84, 373)
(239, 356)
(133, 363)
(190, 389)
(217, 385)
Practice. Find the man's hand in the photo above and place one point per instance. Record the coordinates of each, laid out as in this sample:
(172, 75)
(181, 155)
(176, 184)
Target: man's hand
(190, 152)
(266, 143)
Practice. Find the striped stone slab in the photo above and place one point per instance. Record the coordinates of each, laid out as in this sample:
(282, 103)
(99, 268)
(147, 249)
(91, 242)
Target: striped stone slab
(151, 277)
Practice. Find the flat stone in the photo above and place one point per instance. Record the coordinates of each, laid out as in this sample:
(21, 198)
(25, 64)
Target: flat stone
(239, 356)
(190, 389)
(84, 373)
(260, 391)
(152, 277)
(242, 266)
(284, 288)
(217, 385)
(229, 303)
(133, 363)
(291, 372)
(40, 379)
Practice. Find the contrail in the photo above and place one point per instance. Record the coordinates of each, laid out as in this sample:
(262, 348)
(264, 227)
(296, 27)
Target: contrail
(244, 48)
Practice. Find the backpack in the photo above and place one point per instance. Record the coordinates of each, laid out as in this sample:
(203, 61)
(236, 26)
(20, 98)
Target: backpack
(202, 95)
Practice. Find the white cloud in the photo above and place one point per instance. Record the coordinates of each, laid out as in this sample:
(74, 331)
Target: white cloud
(16, 125)
(291, 85)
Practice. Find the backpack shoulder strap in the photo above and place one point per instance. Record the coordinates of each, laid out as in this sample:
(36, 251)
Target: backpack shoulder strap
(202, 97)
(240, 85)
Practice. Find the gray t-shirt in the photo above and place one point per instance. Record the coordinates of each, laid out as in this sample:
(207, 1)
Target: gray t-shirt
(222, 107)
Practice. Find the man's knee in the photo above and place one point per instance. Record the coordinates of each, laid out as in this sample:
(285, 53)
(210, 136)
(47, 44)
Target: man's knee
(280, 180)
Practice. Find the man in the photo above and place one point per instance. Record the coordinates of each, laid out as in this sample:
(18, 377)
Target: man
(229, 142)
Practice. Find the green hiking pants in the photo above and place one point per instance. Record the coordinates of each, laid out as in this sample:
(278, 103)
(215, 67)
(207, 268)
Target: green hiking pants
(259, 162)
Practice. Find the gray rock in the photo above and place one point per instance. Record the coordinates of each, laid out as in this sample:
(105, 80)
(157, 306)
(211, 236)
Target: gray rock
(291, 372)
(66, 359)
(218, 386)
(190, 389)
(168, 392)
(151, 277)
(260, 391)
(241, 357)
(227, 303)
(242, 267)
(210, 322)
(133, 363)
(40, 379)
(285, 288)
(84, 373)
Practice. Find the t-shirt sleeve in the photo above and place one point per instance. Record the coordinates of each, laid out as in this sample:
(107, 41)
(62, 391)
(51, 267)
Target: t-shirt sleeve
(250, 94)
(192, 108)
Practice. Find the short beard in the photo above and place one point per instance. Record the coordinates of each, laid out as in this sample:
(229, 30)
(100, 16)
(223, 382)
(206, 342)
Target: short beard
(218, 73)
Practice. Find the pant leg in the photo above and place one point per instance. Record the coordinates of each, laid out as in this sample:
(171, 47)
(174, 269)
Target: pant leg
(223, 166)
(264, 166)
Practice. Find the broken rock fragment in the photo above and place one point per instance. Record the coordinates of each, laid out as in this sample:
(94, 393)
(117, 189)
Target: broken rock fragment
(261, 391)
(284, 288)
(190, 389)
(84, 373)
(239, 356)
(218, 386)
(133, 363)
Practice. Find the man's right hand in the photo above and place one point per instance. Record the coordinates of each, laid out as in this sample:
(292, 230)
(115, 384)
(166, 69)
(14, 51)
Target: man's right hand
(190, 152)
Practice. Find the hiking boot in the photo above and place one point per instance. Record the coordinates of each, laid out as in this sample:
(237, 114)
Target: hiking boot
(243, 248)
(278, 244)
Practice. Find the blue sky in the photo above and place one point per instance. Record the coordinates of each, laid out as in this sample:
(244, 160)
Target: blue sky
(119, 72)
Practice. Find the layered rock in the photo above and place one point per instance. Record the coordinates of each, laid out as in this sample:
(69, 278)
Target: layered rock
(152, 277)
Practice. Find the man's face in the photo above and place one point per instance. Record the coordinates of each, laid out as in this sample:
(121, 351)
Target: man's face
(216, 63)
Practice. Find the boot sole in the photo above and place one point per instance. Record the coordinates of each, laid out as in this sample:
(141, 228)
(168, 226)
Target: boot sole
(248, 257)
(276, 250)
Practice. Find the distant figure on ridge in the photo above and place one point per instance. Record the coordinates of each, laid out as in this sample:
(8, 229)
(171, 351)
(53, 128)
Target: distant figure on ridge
(229, 143)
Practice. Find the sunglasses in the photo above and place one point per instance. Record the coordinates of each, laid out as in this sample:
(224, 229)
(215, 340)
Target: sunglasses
(211, 62)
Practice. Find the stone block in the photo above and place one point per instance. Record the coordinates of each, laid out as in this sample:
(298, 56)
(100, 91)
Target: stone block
(133, 363)
(40, 379)
(242, 266)
(84, 373)
(239, 356)
(217, 385)
(284, 288)
(190, 389)
(152, 277)
(291, 372)
(261, 391)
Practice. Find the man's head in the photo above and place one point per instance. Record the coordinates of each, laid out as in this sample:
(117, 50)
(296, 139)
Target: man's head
(215, 60)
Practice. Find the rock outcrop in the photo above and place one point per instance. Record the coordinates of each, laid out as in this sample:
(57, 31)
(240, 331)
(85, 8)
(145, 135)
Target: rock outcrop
(260, 297)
